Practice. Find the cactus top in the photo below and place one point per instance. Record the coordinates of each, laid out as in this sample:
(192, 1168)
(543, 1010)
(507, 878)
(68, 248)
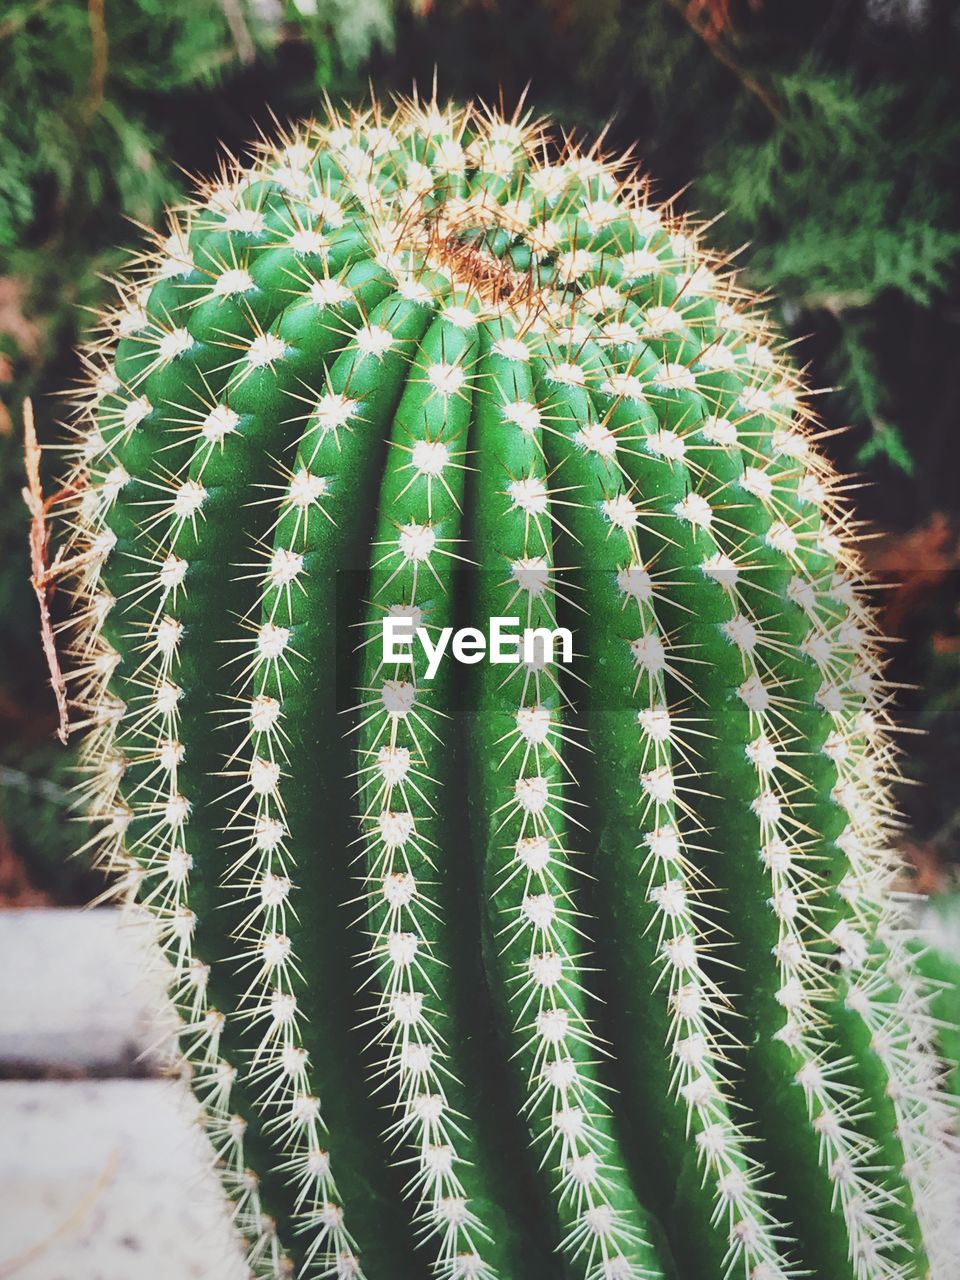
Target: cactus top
(592, 969)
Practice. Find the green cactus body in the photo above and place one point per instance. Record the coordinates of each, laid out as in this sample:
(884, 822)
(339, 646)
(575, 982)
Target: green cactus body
(589, 968)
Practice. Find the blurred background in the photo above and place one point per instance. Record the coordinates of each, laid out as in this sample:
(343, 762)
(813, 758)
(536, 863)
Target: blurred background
(821, 138)
(824, 137)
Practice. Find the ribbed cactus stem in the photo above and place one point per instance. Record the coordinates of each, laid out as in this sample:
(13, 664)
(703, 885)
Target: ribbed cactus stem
(594, 965)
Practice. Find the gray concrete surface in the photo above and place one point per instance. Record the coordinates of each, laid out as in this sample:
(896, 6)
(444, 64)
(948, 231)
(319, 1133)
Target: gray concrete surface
(78, 993)
(107, 1178)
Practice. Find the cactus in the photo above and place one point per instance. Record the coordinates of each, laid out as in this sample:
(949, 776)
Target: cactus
(598, 968)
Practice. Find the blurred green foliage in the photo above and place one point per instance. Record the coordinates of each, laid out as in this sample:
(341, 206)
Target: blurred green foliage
(827, 135)
(102, 104)
(940, 964)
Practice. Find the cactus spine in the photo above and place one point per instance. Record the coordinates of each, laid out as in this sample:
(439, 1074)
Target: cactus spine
(595, 971)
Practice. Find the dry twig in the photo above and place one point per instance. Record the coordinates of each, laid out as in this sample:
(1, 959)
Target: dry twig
(42, 577)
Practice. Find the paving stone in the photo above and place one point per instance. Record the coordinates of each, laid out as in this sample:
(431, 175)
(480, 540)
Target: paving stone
(109, 1180)
(77, 994)
(106, 1178)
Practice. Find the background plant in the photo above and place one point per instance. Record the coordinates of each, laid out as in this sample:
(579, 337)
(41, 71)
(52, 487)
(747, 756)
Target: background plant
(826, 133)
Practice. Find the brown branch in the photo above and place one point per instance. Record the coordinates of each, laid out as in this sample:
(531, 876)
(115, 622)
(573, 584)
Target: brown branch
(239, 30)
(41, 576)
(707, 26)
(99, 49)
(709, 18)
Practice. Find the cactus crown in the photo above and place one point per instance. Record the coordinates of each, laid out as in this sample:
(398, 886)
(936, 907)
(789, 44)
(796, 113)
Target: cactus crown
(520, 971)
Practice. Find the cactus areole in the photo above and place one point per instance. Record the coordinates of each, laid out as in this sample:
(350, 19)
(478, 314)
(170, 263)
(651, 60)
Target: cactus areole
(584, 965)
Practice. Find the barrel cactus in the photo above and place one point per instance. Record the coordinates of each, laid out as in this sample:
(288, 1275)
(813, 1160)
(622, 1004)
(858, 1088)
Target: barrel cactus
(594, 964)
